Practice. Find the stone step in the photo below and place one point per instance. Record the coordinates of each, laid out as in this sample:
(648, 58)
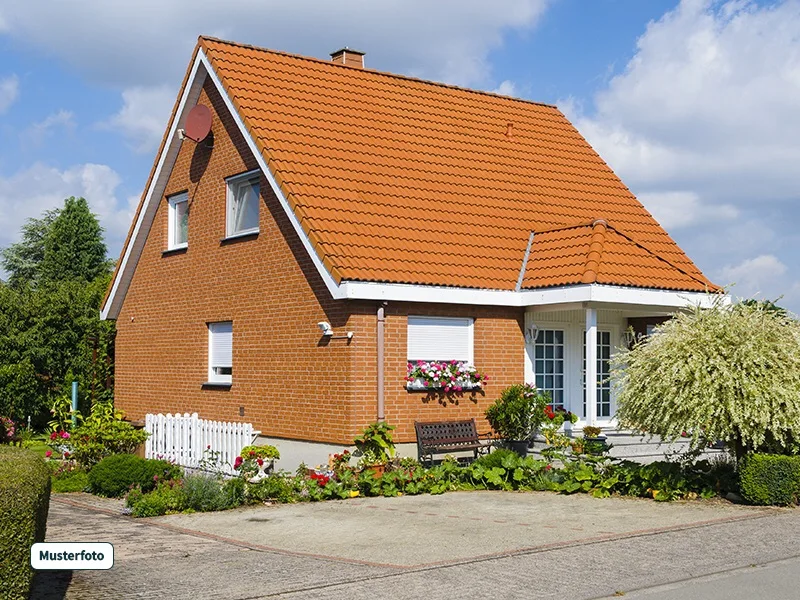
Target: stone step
(632, 446)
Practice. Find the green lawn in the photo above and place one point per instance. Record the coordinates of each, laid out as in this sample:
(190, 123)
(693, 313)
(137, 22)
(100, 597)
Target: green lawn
(38, 444)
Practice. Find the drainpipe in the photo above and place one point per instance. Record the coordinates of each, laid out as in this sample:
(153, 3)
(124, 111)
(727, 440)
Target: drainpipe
(381, 320)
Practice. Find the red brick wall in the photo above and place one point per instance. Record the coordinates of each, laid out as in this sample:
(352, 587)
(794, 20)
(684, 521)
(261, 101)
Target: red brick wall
(289, 382)
(498, 352)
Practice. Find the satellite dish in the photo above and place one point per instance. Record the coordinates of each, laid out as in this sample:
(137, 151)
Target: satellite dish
(198, 123)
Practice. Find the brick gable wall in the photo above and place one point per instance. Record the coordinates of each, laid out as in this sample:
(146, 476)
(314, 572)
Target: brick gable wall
(290, 382)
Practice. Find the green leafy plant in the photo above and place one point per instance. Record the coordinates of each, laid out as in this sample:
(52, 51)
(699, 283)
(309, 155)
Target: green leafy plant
(770, 479)
(517, 413)
(104, 434)
(729, 373)
(506, 470)
(167, 497)
(275, 488)
(68, 476)
(375, 444)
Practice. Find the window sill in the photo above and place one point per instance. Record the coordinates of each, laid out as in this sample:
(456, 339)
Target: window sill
(173, 251)
(239, 237)
(216, 385)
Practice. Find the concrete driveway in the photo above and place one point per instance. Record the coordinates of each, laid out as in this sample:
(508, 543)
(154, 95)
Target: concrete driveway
(479, 544)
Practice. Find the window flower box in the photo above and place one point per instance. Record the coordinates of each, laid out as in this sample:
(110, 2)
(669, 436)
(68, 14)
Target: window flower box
(447, 376)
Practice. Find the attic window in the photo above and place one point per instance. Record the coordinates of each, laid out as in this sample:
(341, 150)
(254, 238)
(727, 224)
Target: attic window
(178, 234)
(243, 204)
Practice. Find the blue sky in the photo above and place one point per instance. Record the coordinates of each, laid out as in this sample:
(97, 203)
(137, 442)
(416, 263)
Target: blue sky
(693, 103)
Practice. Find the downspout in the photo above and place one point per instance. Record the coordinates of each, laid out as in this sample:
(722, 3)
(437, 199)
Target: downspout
(381, 320)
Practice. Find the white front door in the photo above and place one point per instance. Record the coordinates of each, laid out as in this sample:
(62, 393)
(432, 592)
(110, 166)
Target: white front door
(556, 365)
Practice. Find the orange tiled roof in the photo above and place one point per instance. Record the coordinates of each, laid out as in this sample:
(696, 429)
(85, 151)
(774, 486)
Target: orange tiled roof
(406, 181)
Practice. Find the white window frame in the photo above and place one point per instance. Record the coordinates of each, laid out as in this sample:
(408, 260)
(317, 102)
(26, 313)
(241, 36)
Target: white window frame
(232, 185)
(467, 321)
(173, 221)
(214, 377)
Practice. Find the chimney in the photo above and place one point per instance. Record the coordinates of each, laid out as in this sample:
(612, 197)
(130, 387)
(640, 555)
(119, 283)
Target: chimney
(348, 56)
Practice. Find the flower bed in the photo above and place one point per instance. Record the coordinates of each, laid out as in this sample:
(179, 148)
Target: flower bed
(500, 470)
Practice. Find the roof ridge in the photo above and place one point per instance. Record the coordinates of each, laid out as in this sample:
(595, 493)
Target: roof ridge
(595, 254)
(661, 258)
(202, 38)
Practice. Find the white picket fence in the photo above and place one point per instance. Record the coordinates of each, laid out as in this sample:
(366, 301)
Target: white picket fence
(183, 439)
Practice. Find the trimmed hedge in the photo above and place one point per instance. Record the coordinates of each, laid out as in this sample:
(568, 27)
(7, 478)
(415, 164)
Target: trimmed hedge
(24, 501)
(770, 479)
(114, 475)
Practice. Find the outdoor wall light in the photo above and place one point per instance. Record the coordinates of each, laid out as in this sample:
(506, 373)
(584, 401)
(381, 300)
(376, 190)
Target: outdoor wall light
(327, 331)
(531, 332)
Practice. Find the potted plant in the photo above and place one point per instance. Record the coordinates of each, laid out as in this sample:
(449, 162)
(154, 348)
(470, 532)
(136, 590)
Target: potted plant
(593, 441)
(376, 446)
(516, 415)
(256, 462)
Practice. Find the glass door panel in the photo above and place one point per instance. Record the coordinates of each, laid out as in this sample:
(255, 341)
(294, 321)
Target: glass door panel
(548, 366)
(603, 375)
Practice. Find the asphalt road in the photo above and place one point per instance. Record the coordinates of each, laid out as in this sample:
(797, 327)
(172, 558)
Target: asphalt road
(779, 580)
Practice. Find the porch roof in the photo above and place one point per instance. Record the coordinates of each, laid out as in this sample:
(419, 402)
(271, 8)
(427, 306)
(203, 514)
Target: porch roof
(596, 252)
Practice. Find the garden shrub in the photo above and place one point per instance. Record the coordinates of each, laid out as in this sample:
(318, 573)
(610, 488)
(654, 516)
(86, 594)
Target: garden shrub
(234, 490)
(96, 439)
(167, 497)
(770, 479)
(729, 373)
(204, 493)
(24, 501)
(275, 487)
(114, 475)
(67, 476)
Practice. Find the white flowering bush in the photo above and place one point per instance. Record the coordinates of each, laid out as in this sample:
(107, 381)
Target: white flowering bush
(449, 376)
(728, 373)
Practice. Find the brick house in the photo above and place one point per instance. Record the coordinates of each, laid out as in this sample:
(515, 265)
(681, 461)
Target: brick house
(410, 219)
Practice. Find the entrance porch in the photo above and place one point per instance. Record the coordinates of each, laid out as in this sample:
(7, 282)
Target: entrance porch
(568, 351)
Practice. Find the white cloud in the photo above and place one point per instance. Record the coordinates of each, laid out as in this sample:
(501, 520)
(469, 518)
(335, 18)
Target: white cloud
(143, 116)
(679, 209)
(9, 90)
(37, 132)
(755, 276)
(149, 42)
(709, 102)
(29, 192)
(506, 88)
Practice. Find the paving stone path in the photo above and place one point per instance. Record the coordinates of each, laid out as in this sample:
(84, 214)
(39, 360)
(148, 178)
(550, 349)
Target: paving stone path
(163, 558)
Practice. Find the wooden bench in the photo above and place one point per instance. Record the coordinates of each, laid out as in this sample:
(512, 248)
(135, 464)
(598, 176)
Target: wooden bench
(446, 437)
